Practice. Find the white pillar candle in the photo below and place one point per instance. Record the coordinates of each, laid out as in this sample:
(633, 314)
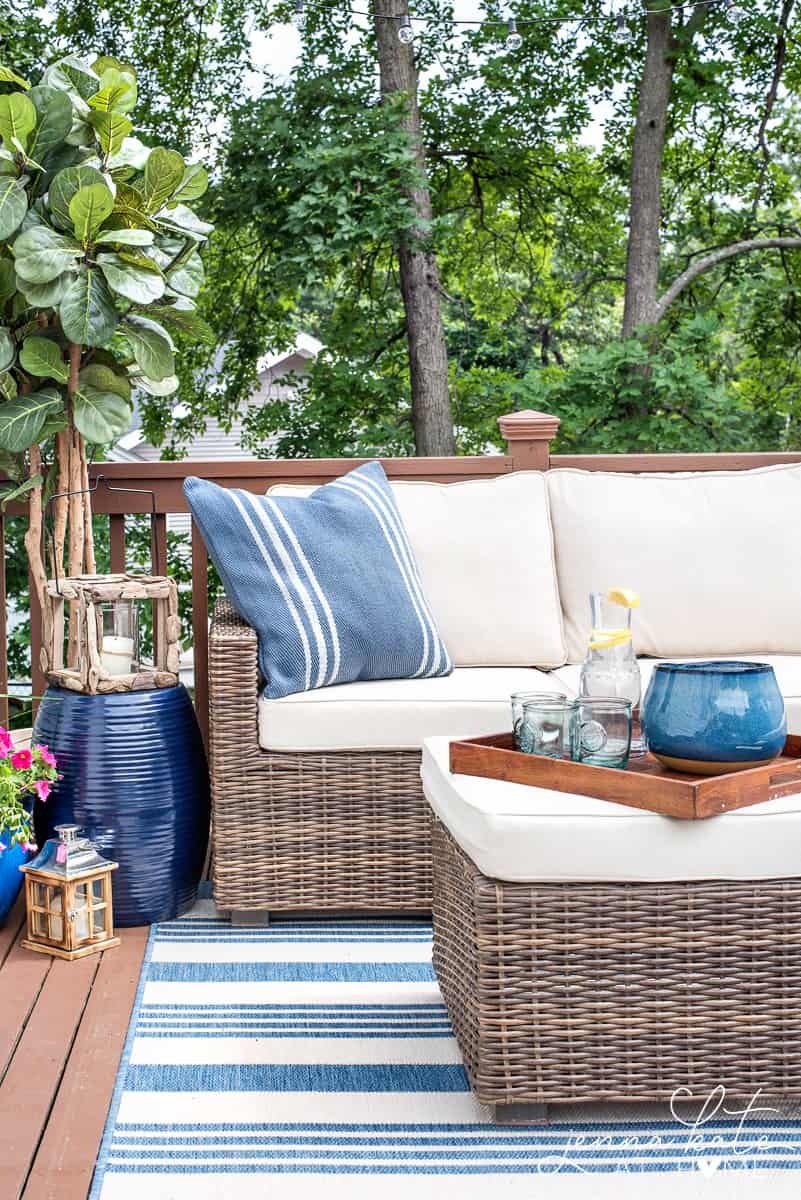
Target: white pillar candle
(116, 654)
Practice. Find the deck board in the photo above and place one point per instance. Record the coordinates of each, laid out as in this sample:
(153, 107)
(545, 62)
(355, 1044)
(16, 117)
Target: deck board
(66, 1156)
(62, 1030)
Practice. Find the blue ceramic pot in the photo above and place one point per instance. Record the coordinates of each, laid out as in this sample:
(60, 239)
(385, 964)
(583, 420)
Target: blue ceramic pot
(135, 780)
(10, 875)
(708, 717)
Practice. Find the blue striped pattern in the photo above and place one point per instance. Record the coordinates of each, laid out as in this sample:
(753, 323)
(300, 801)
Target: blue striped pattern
(329, 581)
(240, 1064)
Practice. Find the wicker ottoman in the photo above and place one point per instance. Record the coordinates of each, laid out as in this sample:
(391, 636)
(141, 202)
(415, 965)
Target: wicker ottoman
(625, 955)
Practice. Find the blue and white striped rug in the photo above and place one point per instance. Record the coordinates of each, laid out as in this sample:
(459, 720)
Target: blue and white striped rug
(316, 1057)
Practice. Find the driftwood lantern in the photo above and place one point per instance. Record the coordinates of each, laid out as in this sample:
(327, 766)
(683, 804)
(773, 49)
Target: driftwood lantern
(104, 621)
(68, 897)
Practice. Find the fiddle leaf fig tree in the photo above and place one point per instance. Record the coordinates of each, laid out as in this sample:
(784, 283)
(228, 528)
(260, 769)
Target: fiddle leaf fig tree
(99, 258)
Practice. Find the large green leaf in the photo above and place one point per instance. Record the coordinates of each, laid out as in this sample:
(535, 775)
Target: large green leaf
(64, 186)
(136, 282)
(188, 321)
(17, 120)
(87, 311)
(106, 379)
(117, 92)
(53, 120)
(84, 81)
(157, 387)
(164, 171)
(14, 493)
(42, 357)
(182, 220)
(22, 420)
(133, 154)
(100, 416)
(8, 386)
(151, 345)
(44, 295)
(126, 237)
(111, 128)
(9, 76)
(194, 183)
(41, 254)
(89, 208)
(12, 465)
(188, 278)
(8, 349)
(13, 205)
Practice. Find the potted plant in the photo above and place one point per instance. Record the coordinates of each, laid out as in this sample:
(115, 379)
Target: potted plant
(98, 262)
(25, 775)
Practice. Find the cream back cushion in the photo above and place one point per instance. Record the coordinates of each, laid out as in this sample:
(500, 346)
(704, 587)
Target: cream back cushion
(712, 555)
(484, 549)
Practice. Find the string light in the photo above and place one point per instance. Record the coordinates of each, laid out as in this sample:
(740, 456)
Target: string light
(405, 31)
(513, 39)
(299, 15)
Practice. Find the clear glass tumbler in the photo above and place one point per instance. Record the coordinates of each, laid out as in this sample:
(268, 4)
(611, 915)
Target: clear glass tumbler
(549, 727)
(521, 698)
(603, 734)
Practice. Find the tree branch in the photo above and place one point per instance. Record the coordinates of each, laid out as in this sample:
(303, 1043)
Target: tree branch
(780, 55)
(718, 256)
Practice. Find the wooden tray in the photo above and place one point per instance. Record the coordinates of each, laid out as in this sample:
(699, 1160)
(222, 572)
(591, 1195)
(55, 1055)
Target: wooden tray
(644, 783)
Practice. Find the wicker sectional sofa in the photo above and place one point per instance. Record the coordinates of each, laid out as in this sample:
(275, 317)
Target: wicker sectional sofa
(317, 801)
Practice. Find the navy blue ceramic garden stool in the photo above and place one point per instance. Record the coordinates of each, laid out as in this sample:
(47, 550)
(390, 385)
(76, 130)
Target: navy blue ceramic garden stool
(135, 779)
(712, 717)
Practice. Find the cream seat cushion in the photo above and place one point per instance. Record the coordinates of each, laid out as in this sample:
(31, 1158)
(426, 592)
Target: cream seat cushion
(786, 666)
(397, 714)
(711, 554)
(484, 548)
(526, 835)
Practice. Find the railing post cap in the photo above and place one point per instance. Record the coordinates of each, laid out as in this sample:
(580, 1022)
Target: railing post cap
(528, 425)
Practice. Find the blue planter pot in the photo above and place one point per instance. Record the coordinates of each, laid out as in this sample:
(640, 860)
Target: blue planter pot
(10, 875)
(135, 779)
(708, 717)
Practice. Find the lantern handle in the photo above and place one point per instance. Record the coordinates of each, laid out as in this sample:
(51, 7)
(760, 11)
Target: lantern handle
(155, 555)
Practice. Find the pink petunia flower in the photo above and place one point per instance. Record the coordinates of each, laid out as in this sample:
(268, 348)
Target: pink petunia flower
(42, 788)
(30, 846)
(21, 760)
(46, 755)
(3, 847)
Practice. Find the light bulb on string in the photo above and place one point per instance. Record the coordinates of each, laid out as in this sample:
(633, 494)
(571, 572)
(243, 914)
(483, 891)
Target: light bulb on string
(513, 39)
(299, 15)
(622, 34)
(405, 31)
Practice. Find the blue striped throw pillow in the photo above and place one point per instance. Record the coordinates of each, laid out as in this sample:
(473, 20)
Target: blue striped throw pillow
(328, 581)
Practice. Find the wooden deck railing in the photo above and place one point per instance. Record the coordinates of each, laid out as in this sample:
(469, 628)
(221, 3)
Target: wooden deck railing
(528, 435)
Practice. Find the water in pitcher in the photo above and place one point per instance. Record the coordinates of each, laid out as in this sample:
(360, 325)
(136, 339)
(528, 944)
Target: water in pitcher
(611, 668)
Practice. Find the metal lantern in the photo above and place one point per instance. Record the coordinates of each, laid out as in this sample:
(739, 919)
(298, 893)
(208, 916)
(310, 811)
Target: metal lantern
(68, 897)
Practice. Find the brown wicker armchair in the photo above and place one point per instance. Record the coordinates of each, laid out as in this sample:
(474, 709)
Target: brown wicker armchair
(307, 831)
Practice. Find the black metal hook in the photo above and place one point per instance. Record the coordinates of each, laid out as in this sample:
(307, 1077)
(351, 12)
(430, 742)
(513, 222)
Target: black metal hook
(154, 542)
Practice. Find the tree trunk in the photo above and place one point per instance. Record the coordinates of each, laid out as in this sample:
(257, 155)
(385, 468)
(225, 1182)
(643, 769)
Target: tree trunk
(645, 209)
(419, 273)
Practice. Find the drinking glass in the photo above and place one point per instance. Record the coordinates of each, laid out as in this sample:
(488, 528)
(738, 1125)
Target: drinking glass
(521, 698)
(549, 727)
(603, 731)
(611, 667)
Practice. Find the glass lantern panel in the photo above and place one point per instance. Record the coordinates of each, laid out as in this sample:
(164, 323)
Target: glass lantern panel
(80, 895)
(98, 921)
(40, 895)
(56, 927)
(97, 889)
(119, 648)
(39, 924)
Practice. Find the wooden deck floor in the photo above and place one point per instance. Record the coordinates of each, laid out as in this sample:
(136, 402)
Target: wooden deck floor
(62, 1031)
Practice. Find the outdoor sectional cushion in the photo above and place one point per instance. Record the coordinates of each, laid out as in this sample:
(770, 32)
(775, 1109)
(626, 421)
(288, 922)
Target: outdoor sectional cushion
(397, 714)
(485, 552)
(525, 834)
(711, 554)
(328, 581)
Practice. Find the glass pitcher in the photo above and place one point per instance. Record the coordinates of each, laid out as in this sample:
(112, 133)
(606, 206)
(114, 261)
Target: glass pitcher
(611, 668)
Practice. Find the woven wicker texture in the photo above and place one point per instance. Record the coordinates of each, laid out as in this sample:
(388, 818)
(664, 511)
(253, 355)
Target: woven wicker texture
(345, 830)
(579, 992)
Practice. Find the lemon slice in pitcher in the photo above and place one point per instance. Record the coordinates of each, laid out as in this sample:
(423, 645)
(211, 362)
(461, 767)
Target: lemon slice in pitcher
(625, 596)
